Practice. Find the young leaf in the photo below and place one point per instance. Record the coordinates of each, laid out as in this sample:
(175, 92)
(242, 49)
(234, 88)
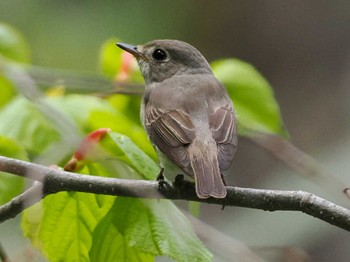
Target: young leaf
(110, 245)
(91, 113)
(23, 122)
(255, 104)
(122, 148)
(61, 225)
(148, 227)
(154, 227)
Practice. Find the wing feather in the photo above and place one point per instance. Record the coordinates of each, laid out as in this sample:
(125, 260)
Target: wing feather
(171, 132)
(223, 126)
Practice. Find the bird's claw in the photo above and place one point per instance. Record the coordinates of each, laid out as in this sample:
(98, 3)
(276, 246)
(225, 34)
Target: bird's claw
(162, 184)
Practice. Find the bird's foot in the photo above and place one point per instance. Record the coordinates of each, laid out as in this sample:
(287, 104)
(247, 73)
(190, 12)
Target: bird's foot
(162, 184)
(160, 176)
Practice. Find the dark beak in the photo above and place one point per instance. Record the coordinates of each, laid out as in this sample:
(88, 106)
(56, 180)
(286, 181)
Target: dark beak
(130, 48)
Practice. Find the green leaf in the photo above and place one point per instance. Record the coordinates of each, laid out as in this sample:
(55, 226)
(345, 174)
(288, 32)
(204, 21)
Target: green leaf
(253, 97)
(128, 105)
(7, 91)
(112, 62)
(10, 185)
(149, 226)
(109, 244)
(23, 122)
(13, 45)
(91, 113)
(122, 148)
(61, 225)
(110, 57)
(153, 227)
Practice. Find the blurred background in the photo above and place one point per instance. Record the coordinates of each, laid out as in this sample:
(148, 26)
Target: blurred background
(301, 47)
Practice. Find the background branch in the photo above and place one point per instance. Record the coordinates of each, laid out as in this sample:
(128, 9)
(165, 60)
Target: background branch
(271, 200)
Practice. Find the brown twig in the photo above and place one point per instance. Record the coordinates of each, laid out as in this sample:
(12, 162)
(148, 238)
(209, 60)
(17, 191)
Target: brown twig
(270, 200)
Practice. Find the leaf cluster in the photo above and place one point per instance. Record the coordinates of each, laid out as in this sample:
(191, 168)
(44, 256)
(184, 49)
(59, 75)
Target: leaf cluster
(72, 226)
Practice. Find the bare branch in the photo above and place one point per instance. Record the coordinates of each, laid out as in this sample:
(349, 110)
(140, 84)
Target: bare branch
(270, 200)
(21, 202)
(73, 82)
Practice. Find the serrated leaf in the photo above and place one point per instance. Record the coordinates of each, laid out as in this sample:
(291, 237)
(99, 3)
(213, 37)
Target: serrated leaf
(23, 122)
(13, 45)
(61, 225)
(110, 245)
(10, 185)
(254, 101)
(153, 227)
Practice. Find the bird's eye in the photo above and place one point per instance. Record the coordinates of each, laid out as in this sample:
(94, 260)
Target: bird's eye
(159, 55)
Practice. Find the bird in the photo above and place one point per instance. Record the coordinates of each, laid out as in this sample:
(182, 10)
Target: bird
(187, 113)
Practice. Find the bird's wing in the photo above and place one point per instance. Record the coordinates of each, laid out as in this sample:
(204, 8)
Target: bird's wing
(223, 125)
(171, 131)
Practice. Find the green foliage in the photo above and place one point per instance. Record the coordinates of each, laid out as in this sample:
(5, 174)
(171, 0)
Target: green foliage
(125, 150)
(7, 91)
(118, 64)
(22, 121)
(71, 226)
(91, 113)
(13, 45)
(112, 62)
(253, 98)
(151, 227)
(61, 226)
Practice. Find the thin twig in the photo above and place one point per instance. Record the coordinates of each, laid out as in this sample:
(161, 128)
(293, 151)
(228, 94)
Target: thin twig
(271, 200)
(74, 82)
(29, 197)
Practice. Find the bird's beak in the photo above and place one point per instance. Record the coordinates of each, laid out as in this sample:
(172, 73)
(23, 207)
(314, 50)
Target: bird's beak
(132, 49)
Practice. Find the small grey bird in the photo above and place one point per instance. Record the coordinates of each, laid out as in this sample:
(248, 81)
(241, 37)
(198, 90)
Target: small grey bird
(187, 113)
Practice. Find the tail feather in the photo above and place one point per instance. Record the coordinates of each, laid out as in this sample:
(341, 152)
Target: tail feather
(205, 166)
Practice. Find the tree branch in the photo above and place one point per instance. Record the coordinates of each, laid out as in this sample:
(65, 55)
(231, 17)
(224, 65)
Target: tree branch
(270, 200)
(29, 197)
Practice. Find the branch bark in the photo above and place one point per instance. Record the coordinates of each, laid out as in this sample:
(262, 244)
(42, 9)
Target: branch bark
(54, 181)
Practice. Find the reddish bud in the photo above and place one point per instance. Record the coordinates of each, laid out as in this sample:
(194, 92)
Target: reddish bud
(89, 143)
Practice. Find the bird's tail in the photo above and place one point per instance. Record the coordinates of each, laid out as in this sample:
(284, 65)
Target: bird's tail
(205, 166)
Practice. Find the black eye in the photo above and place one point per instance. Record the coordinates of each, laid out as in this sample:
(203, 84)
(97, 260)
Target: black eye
(159, 55)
